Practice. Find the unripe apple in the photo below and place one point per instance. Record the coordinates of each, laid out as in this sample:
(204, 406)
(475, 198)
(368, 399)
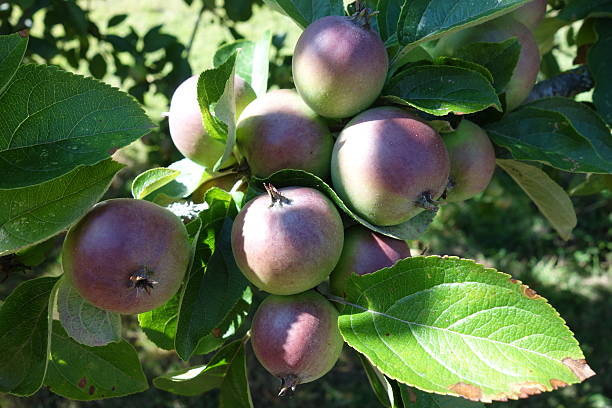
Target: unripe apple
(279, 131)
(501, 29)
(296, 338)
(388, 165)
(288, 241)
(126, 256)
(339, 65)
(364, 252)
(186, 126)
(472, 158)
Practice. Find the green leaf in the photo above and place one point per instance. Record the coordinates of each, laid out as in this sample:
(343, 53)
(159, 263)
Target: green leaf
(408, 230)
(599, 60)
(440, 90)
(461, 63)
(451, 326)
(203, 310)
(217, 103)
(552, 201)
(153, 179)
(424, 20)
(586, 122)
(87, 373)
(197, 380)
(387, 17)
(252, 62)
(304, 12)
(33, 214)
(235, 392)
(499, 58)
(84, 322)
(54, 121)
(543, 132)
(191, 176)
(12, 50)
(414, 398)
(381, 385)
(116, 20)
(579, 9)
(25, 325)
(594, 183)
(229, 326)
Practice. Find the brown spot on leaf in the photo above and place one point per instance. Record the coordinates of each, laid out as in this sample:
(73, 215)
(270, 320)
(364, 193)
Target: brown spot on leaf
(24, 33)
(114, 388)
(92, 389)
(387, 334)
(112, 150)
(216, 332)
(82, 382)
(557, 383)
(468, 391)
(412, 396)
(527, 291)
(528, 388)
(580, 368)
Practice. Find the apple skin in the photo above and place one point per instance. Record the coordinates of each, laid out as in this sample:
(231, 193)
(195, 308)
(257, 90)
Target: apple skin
(289, 247)
(385, 161)
(296, 338)
(118, 239)
(531, 14)
(472, 159)
(339, 66)
(501, 29)
(364, 252)
(279, 131)
(186, 125)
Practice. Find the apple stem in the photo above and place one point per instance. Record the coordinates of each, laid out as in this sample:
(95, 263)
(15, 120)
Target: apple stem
(427, 202)
(288, 384)
(275, 196)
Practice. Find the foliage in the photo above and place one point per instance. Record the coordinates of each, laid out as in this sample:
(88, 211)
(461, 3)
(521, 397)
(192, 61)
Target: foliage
(429, 324)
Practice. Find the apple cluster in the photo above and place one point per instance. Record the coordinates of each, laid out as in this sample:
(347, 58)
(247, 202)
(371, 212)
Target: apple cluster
(387, 164)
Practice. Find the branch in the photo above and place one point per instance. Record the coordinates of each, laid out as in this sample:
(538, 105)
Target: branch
(566, 84)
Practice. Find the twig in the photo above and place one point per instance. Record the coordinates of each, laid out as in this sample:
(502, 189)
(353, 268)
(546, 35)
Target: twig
(195, 29)
(566, 84)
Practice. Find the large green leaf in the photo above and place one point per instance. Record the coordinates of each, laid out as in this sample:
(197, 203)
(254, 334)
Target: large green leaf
(84, 322)
(599, 60)
(252, 62)
(423, 20)
(408, 230)
(451, 326)
(90, 373)
(499, 58)
(54, 121)
(556, 132)
(304, 12)
(25, 331)
(197, 380)
(552, 201)
(33, 214)
(440, 90)
(202, 309)
(12, 49)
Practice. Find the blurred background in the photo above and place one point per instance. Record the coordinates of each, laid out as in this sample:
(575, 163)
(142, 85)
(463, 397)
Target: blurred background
(147, 47)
